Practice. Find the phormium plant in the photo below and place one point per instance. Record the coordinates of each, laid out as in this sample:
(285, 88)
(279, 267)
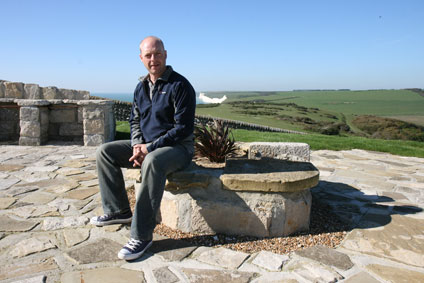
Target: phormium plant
(214, 141)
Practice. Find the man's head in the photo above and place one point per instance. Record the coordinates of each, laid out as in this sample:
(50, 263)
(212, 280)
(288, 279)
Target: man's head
(153, 55)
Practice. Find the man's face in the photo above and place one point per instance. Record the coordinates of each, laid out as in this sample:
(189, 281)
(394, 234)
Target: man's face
(153, 56)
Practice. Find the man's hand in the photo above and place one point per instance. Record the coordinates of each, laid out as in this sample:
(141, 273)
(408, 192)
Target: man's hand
(139, 153)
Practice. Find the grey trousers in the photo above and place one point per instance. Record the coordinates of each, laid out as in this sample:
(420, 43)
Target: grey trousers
(113, 156)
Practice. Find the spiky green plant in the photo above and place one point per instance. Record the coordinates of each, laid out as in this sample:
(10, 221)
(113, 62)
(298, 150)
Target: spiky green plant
(214, 141)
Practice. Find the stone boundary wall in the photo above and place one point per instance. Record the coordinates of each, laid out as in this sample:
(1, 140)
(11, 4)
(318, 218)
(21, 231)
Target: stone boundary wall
(122, 112)
(34, 115)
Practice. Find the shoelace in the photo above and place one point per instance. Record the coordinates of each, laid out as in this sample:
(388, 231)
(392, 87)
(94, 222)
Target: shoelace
(104, 217)
(133, 244)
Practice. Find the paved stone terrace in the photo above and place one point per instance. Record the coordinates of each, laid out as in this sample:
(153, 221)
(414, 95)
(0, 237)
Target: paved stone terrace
(48, 194)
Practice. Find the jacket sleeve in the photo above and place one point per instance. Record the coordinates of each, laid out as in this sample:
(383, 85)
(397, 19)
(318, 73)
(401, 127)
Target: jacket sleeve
(136, 133)
(185, 107)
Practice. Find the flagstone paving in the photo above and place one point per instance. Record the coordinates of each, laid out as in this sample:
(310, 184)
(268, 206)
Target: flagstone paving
(49, 193)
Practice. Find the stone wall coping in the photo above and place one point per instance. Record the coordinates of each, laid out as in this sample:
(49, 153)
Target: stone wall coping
(62, 101)
(45, 102)
(95, 102)
(7, 100)
(32, 102)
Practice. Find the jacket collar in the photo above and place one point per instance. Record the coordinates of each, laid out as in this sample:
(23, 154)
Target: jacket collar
(165, 76)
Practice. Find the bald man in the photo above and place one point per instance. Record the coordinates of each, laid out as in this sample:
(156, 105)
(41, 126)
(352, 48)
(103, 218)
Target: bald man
(162, 123)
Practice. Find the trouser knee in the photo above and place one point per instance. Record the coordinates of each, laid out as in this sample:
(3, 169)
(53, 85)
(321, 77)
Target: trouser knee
(150, 161)
(100, 151)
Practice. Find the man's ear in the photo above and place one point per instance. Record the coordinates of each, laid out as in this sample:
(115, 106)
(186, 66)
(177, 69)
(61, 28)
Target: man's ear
(141, 57)
(166, 54)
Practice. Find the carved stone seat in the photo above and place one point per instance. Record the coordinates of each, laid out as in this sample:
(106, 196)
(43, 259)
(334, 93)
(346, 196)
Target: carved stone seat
(264, 198)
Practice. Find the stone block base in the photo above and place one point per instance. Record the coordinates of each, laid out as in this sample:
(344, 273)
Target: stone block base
(214, 210)
(195, 201)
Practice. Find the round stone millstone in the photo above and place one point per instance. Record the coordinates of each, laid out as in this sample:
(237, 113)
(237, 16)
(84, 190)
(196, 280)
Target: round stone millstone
(269, 175)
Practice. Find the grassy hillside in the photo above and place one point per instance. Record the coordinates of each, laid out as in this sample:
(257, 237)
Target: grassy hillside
(319, 106)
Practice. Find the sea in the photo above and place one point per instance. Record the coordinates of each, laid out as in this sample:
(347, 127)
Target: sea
(128, 97)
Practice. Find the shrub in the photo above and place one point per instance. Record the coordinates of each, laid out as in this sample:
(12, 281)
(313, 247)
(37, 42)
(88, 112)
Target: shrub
(330, 129)
(390, 129)
(214, 141)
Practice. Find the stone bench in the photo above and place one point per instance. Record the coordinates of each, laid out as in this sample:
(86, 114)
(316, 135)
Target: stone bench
(254, 197)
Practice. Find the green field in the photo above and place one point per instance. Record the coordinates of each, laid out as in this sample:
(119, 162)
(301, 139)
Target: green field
(345, 105)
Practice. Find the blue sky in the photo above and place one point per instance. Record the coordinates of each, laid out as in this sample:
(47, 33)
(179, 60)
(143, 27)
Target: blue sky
(218, 45)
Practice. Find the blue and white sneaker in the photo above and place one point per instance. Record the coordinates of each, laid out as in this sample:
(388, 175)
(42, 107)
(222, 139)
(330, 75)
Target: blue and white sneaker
(134, 249)
(114, 218)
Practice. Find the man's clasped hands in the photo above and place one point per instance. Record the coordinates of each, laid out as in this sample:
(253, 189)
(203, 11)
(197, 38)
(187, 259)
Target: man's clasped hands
(139, 153)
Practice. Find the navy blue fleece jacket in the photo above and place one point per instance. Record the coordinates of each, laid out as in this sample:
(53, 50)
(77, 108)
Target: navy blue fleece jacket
(167, 118)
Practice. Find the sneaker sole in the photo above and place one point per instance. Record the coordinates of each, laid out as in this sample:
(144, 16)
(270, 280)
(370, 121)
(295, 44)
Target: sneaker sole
(111, 222)
(134, 256)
